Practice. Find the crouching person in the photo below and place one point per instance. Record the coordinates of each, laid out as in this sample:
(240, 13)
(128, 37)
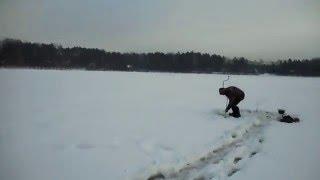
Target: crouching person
(235, 95)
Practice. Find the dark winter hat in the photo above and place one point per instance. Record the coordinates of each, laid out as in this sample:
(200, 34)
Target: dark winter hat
(221, 90)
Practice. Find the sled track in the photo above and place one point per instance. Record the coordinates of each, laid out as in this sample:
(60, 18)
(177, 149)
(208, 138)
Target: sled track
(227, 158)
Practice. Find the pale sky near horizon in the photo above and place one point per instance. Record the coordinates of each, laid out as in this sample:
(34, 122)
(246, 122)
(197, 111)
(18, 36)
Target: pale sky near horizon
(256, 29)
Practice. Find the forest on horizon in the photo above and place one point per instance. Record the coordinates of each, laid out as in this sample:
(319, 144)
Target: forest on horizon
(19, 54)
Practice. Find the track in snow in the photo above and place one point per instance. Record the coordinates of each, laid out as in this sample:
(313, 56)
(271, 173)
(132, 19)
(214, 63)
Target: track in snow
(228, 157)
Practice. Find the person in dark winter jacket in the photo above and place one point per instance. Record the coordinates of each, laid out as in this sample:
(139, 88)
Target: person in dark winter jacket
(235, 95)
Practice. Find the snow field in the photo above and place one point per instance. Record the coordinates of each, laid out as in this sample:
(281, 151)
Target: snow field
(79, 125)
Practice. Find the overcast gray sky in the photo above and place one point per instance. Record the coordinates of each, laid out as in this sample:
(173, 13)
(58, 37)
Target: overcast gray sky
(269, 29)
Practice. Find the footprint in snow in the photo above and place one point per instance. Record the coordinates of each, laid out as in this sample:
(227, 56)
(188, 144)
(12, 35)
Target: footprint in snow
(85, 146)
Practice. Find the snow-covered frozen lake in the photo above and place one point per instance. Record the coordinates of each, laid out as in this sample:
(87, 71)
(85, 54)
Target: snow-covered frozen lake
(80, 125)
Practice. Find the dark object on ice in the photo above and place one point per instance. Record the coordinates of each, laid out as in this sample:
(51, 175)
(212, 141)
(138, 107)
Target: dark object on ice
(236, 160)
(233, 135)
(289, 119)
(156, 176)
(281, 111)
(261, 140)
(252, 154)
(233, 171)
(235, 95)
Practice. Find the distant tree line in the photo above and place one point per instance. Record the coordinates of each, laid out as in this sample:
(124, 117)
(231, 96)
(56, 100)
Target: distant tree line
(19, 54)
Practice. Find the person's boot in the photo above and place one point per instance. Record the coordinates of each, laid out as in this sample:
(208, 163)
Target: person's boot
(235, 115)
(236, 112)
